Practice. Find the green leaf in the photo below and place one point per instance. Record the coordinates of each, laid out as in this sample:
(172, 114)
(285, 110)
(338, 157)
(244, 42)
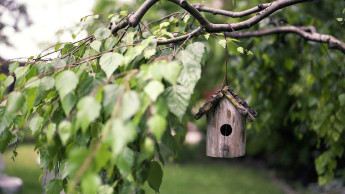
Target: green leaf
(43, 67)
(58, 46)
(68, 103)
(125, 160)
(109, 62)
(105, 189)
(341, 99)
(154, 89)
(88, 111)
(8, 81)
(160, 107)
(64, 131)
(110, 15)
(13, 66)
(102, 157)
(191, 59)
(130, 104)
(130, 38)
(110, 97)
(34, 82)
(177, 100)
(6, 121)
(149, 53)
(340, 19)
(207, 36)
(68, 48)
(21, 71)
(156, 71)
(75, 160)
(155, 176)
(31, 94)
(164, 25)
(147, 148)
(157, 126)
(65, 82)
(55, 186)
(90, 183)
(120, 134)
(96, 16)
(102, 33)
(109, 43)
(172, 72)
(50, 132)
(240, 50)
(3, 76)
(5, 139)
(96, 45)
(222, 42)
(169, 141)
(186, 18)
(58, 63)
(47, 83)
(15, 102)
(35, 124)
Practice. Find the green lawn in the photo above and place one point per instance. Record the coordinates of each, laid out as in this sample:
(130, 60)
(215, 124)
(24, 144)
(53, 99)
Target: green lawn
(205, 178)
(216, 178)
(24, 167)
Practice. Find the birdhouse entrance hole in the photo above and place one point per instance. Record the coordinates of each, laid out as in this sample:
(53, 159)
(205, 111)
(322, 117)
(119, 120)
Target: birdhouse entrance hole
(226, 130)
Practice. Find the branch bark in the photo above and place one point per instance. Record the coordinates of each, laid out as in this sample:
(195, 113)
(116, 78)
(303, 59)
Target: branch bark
(232, 14)
(307, 32)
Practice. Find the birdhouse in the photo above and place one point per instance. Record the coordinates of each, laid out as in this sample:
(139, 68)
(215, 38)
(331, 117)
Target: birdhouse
(226, 116)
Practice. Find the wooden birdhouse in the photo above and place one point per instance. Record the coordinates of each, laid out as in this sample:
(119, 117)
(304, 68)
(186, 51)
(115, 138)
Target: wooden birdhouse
(226, 124)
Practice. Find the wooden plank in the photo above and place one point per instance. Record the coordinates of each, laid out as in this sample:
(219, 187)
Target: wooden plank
(218, 145)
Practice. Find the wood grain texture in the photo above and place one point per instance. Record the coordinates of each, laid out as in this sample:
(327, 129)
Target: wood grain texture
(218, 145)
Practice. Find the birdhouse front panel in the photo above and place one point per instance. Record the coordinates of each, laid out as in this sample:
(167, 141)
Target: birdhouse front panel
(226, 127)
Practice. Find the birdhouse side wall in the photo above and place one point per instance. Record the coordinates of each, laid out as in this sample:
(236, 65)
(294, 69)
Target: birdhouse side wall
(218, 145)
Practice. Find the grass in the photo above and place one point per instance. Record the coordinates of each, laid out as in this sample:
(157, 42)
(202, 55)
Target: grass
(201, 178)
(218, 178)
(24, 167)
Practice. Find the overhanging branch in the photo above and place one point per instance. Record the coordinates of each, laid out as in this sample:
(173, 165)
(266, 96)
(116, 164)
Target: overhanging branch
(264, 11)
(307, 32)
(232, 14)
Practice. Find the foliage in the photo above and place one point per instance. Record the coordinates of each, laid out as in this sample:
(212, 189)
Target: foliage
(100, 109)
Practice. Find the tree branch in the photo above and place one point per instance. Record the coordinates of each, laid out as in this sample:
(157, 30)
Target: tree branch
(232, 14)
(274, 6)
(190, 35)
(134, 19)
(193, 11)
(307, 32)
(266, 9)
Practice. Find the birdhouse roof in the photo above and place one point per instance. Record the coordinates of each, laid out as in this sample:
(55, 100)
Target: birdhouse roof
(241, 105)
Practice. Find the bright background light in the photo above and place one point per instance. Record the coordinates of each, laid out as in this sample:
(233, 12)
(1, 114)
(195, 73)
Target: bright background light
(48, 17)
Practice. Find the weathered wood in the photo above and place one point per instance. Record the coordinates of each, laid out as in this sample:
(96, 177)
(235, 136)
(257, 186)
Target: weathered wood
(253, 113)
(208, 105)
(240, 104)
(218, 145)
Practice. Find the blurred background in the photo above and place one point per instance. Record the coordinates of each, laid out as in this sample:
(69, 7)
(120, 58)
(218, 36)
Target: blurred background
(293, 84)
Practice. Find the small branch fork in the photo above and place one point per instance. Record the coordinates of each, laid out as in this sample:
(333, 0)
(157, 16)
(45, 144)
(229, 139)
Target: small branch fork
(262, 11)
